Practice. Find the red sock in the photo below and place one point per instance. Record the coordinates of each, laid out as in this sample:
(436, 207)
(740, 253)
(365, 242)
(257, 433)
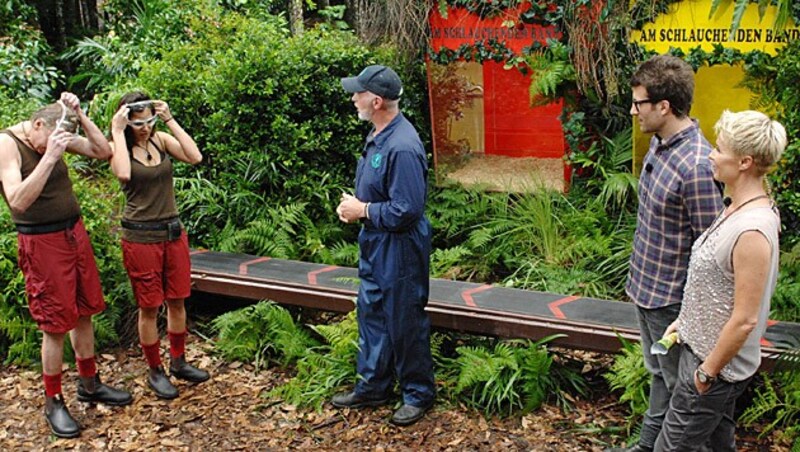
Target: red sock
(152, 354)
(86, 367)
(52, 384)
(177, 343)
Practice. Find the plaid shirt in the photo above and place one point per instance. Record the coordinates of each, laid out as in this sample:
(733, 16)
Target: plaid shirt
(678, 200)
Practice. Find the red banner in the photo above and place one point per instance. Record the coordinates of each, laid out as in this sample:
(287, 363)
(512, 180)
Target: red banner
(463, 27)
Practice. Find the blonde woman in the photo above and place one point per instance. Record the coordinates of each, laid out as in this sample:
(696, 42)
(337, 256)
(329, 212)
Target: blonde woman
(732, 275)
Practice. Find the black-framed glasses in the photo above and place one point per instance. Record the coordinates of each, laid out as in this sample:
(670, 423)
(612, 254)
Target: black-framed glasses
(636, 103)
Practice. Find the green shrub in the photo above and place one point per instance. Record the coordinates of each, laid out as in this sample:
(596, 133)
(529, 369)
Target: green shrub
(786, 179)
(26, 60)
(269, 113)
(137, 31)
(261, 333)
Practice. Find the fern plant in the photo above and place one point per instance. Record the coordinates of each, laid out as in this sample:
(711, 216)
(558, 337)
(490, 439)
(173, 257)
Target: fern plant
(608, 162)
(324, 368)
(261, 333)
(779, 397)
(514, 375)
(551, 67)
(629, 375)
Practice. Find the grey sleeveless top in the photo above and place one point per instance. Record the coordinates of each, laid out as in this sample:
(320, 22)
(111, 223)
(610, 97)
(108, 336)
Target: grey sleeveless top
(709, 292)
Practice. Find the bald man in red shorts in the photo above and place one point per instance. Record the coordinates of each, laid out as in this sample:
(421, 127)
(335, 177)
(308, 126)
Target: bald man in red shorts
(55, 254)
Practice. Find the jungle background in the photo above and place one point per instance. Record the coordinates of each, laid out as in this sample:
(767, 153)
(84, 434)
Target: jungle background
(256, 83)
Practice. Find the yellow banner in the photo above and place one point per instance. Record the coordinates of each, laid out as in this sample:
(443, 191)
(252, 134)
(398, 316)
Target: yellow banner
(688, 25)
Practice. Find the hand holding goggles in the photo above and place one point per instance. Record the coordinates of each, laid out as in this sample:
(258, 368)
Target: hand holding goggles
(141, 106)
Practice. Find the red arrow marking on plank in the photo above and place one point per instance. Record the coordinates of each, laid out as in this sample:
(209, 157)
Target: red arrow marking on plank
(555, 304)
(193, 252)
(765, 342)
(312, 276)
(243, 266)
(467, 294)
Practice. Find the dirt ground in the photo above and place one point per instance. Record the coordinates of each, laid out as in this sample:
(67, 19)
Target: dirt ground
(229, 412)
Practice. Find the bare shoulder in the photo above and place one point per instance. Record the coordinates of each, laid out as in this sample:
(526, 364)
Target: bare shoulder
(752, 247)
(7, 144)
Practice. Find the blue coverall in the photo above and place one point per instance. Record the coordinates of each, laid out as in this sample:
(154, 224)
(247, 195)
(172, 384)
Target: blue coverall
(395, 246)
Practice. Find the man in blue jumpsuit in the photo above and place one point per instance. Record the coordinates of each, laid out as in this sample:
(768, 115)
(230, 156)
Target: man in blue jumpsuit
(395, 246)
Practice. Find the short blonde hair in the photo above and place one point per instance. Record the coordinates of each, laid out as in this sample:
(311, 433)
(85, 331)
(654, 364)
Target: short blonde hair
(752, 133)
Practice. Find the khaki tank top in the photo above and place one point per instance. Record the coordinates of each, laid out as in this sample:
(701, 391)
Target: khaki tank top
(150, 198)
(56, 202)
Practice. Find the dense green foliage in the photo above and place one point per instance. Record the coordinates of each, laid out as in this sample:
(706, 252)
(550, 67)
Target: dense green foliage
(510, 376)
(779, 399)
(513, 376)
(269, 113)
(786, 180)
(324, 368)
(629, 377)
(26, 61)
(261, 333)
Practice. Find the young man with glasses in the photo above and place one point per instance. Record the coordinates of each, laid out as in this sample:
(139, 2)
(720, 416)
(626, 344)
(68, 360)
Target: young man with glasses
(55, 254)
(678, 200)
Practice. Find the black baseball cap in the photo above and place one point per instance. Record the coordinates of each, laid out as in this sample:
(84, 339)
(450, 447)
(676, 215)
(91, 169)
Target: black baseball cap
(376, 79)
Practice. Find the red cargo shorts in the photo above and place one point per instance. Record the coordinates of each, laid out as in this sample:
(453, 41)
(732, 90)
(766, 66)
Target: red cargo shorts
(61, 277)
(158, 271)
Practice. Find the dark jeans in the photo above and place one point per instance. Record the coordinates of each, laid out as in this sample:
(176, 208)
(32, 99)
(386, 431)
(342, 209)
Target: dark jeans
(694, 420)
(663, 368)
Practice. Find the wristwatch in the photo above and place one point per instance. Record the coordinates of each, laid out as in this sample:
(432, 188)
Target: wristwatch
(703, 377)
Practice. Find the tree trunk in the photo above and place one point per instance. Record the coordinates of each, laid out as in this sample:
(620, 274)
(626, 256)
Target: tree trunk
(296, 17)
(60, 20)
(352, 15)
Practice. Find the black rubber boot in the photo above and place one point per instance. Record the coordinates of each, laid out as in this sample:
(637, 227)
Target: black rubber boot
(160, 384)
(61, 423)
(93, 390)
(353, 400)
(181, 369)
(409, 414)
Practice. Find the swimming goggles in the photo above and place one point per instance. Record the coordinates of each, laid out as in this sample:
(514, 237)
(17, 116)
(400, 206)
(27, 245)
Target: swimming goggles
(143, 122)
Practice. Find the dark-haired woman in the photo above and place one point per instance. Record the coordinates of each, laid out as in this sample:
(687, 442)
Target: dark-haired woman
(155, 247)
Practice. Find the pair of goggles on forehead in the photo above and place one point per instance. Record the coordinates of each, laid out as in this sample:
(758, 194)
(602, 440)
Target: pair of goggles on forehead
(140, 106)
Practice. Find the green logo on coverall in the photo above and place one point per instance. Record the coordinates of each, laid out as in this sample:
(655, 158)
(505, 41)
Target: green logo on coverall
(376, 161)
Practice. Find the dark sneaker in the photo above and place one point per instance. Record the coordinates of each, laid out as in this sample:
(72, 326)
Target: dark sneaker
(160, 384)
(408, 414)
(61, 423)
(181, 369)
(353, 400)
(104, 394)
